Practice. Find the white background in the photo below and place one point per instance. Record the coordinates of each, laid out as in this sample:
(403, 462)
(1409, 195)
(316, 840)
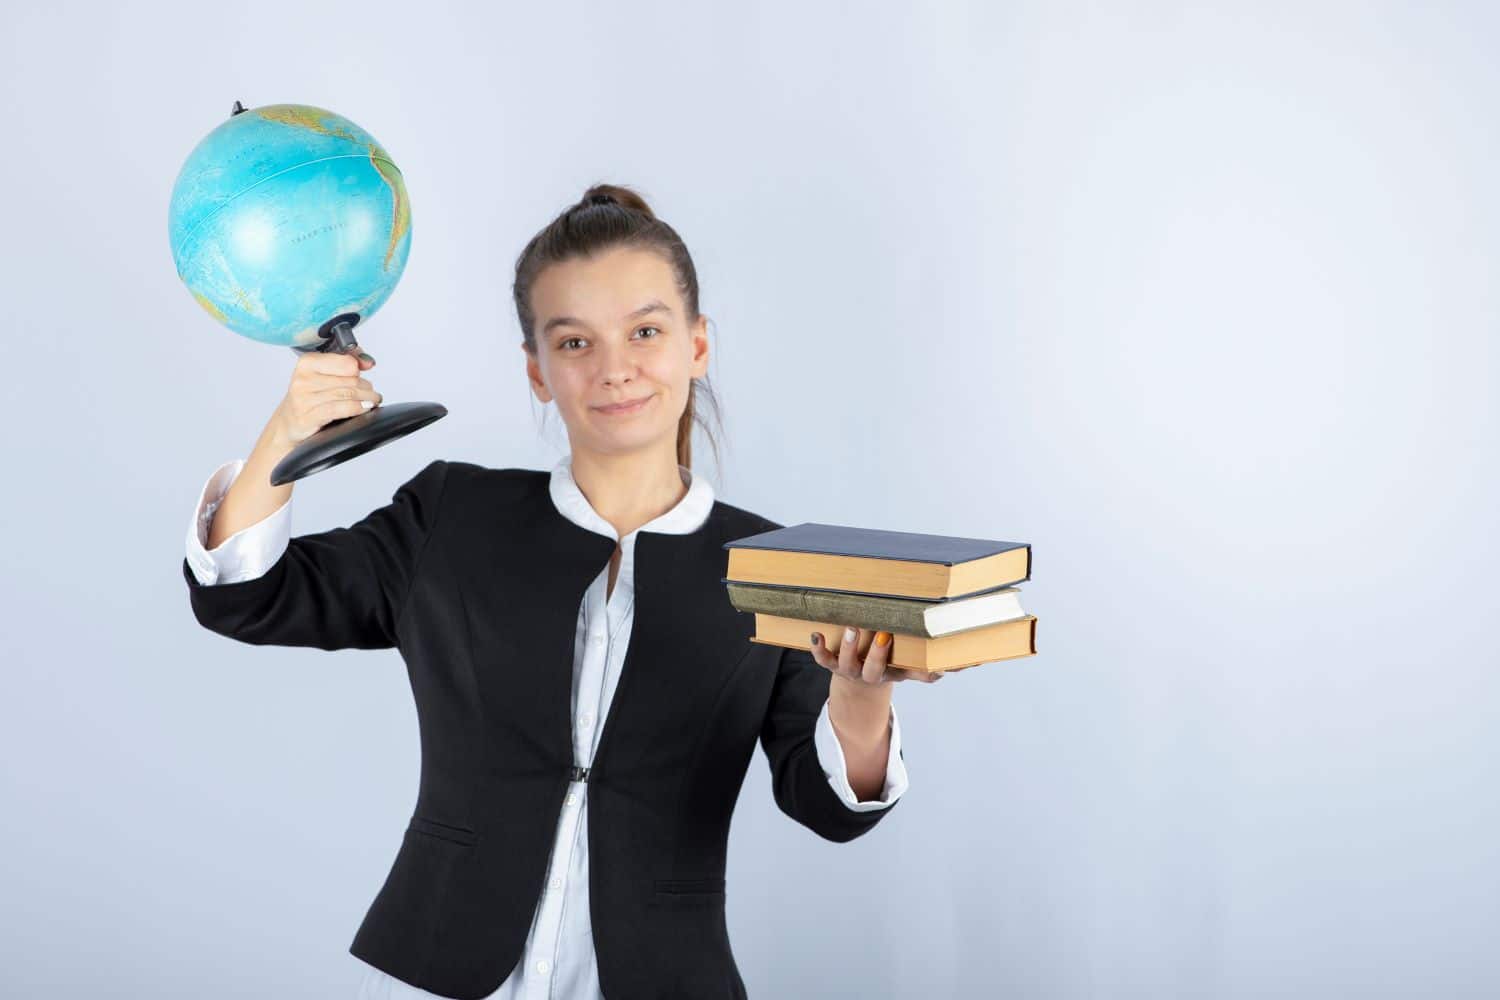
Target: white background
(1199, 303)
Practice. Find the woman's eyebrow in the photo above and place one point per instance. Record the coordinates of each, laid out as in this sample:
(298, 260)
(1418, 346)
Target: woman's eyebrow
(655, 305)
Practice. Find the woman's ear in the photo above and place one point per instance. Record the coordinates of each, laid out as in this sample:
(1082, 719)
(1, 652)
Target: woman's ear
(700, 347)
(534, 376)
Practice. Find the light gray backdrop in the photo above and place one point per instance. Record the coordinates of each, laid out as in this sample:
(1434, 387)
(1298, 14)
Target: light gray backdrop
(1199, 303)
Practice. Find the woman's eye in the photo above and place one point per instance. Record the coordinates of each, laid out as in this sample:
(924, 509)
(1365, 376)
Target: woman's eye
(564, 343)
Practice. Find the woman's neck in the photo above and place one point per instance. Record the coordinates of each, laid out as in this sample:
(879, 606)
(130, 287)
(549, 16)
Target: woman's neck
(629, 490)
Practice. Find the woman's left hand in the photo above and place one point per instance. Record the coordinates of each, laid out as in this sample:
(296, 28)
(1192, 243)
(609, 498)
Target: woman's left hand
(868, 667)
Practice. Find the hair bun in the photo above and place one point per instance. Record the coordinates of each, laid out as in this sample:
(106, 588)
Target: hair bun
(612, 194)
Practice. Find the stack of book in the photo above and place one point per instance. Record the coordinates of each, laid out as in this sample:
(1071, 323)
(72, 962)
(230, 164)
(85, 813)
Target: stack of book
(948, 602)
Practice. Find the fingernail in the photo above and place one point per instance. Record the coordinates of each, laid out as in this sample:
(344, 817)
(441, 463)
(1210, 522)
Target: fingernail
(850, 635)
(366, 403)
(815, 638)
(881, 638)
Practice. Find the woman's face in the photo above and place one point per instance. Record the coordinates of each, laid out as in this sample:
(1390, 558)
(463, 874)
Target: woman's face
(612, 329)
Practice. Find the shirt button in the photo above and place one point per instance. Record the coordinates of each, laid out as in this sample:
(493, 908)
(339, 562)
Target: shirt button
(557, 883)
(542, 966)
(586, 719)
(598, 638)
(572, 798)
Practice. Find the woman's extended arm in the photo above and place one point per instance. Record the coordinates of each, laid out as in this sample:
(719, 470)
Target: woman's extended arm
(800, 781)
(338, 589)
(867, 774)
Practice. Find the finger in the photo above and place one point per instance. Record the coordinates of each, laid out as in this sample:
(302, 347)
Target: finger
(849, 652)
(354, 389)
(820, 653)
(329, 388)
(326, 363)
(913, 674)
(318, 382)
(366, 360)
(326, 383)
(324, 413)
(877, 658)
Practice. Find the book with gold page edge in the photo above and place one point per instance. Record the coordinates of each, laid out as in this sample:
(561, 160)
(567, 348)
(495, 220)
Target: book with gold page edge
(927, 619)
(986, 644)
(877, 562)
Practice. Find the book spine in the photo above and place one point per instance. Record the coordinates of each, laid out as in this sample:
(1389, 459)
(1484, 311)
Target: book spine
(905, 618)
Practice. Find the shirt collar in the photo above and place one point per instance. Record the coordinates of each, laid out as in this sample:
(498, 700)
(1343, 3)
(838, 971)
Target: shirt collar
(684, 518)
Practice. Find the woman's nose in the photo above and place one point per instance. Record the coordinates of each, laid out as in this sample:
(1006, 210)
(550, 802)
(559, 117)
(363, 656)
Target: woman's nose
(614, 368)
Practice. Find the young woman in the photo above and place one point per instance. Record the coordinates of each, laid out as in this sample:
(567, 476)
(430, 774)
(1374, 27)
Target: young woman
(588, 699)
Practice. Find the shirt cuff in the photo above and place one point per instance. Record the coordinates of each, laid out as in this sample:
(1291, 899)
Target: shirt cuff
(244, 555)
(831, 756)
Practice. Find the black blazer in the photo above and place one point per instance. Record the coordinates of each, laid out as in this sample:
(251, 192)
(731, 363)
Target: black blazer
(476, 577)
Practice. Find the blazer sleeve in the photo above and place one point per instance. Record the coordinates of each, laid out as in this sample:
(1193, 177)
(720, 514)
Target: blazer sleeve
(338, 589)
(798, 781)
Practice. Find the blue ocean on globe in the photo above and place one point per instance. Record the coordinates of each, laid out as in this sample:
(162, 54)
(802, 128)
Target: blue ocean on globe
(286, 216)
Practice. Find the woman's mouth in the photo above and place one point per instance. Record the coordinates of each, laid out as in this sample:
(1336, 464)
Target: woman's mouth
(621, 409)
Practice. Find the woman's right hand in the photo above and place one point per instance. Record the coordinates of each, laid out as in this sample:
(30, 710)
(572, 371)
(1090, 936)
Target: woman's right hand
(324, 388)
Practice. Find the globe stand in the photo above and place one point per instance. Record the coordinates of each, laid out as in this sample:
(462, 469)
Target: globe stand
(348, 437)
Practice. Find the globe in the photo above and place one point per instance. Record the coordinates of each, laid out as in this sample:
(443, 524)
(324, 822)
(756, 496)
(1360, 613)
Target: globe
(288, 216)
(290, 224)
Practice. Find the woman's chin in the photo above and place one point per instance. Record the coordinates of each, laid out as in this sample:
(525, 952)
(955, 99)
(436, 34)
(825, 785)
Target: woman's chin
(633, 437)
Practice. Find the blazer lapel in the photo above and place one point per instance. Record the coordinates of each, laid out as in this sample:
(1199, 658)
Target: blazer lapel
(523, 619)
(685, 640)
(529, 578)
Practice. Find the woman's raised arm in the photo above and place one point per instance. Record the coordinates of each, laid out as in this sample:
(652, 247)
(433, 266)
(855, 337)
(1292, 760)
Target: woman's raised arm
(339, 589)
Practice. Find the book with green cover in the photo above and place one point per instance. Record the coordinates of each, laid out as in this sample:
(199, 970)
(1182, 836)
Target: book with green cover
(897, 615)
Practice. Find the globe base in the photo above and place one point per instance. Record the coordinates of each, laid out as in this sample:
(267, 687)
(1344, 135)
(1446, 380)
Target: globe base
(349, 437)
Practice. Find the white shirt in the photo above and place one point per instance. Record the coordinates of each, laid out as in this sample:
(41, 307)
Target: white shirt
(558, 960)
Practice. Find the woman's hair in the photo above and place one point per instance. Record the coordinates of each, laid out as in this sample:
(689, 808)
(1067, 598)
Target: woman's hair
(609, 216)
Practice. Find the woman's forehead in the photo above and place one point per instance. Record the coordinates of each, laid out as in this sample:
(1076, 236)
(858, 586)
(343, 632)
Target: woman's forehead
(605, 287)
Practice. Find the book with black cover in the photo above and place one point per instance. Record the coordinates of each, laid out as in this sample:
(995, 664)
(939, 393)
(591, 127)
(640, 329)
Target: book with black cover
(876, 561)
